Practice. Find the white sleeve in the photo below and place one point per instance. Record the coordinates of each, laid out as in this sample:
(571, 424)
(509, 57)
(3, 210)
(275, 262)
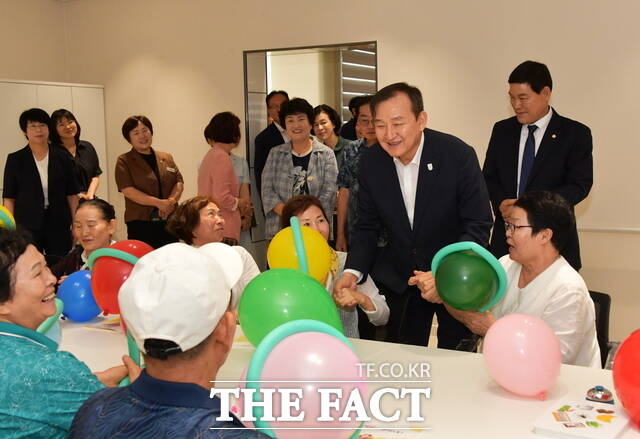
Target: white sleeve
(567, 313)
(380, 315)
(249, 271)
(356, 273)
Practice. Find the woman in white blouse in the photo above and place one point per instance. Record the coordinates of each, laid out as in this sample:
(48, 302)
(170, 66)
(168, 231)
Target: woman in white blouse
(540, 281)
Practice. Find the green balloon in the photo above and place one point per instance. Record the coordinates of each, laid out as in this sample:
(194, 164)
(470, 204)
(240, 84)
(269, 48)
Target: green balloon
(465, 280)
(281, 295)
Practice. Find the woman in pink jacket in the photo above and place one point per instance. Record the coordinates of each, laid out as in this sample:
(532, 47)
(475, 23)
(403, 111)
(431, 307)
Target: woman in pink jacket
(216, 177)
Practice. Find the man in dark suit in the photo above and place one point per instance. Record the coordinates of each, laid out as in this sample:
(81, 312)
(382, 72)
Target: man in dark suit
(537, 149)
(426, 189)
(272, 135)
(348, 130)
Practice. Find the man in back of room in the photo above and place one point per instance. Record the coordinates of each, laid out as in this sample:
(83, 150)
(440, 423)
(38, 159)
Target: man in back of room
(537, 149)
(272, 135)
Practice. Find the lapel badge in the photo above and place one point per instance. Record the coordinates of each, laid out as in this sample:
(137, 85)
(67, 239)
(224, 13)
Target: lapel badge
(429, 166)
(553, 136)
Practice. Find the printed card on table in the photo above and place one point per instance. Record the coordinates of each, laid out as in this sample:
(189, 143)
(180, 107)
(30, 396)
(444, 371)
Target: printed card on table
(582, 419)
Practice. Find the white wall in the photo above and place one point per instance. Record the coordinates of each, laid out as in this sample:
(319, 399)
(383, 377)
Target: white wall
(32, 40)
(298, 74)
(180, 62)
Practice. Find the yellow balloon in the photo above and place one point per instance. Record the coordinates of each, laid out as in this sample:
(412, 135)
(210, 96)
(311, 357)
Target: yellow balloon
(282, 252)
(6, 219)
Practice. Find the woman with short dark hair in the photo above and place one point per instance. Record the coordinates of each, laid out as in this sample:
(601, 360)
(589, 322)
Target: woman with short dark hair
(64, 131)
(150, 182)
(216, 176)
(301, 166)
(39, 187)
(540, 282)
(42, 388)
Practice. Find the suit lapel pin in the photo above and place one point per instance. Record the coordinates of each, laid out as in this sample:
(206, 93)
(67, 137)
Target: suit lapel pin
(429, 166)
(553, 136)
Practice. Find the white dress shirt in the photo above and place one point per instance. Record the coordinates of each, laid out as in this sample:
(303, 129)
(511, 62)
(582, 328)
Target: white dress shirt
(538, 134)
(408, 180)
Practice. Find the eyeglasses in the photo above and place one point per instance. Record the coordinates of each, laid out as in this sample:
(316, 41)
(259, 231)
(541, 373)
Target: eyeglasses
(36, 126)
(512, 227)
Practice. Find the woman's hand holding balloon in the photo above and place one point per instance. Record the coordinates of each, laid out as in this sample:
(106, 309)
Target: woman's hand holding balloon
(111, 377)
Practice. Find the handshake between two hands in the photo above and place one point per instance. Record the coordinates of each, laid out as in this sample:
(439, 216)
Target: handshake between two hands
(348, 298)
(345, 292)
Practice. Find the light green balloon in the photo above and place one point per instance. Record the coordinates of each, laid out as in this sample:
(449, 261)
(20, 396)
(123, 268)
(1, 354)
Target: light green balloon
(281, 295)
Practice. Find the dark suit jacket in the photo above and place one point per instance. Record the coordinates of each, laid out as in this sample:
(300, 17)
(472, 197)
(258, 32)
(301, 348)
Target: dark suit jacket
(348, 130)
(563, 165)
(265, 141)
(22, 183)
(452, 204)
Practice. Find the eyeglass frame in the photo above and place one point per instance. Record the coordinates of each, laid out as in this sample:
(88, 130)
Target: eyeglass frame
(510, 227)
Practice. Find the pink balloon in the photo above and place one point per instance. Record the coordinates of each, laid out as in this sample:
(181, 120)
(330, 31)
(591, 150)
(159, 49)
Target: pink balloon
(314, 357)
(523, 355)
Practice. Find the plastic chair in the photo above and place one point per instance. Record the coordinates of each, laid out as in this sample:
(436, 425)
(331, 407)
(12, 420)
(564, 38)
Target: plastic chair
(602, 304)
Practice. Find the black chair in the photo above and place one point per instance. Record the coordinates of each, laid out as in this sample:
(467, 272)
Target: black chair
(602, 304)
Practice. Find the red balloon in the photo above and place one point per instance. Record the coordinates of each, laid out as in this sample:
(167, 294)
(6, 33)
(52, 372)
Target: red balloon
(626, 375)
(136, 248)
(109, 274)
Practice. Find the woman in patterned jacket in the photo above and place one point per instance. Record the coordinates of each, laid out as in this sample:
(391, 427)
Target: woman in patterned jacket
(301, 166)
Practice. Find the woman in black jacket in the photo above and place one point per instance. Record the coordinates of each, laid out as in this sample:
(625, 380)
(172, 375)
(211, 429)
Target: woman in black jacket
(64, 131)
(39, 187)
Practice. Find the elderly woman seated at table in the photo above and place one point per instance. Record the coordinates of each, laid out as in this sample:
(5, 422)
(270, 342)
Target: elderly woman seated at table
(198, 221)
(94, 224)
(41, 387)
(309, 210)
(540, 281)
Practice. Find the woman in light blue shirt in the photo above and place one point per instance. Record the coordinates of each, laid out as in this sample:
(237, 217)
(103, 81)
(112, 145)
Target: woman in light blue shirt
(41, 387)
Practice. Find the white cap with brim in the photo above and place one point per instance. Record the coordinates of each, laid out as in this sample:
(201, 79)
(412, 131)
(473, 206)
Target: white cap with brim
(178, 293)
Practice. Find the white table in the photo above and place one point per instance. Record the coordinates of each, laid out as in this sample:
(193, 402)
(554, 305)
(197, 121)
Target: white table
(464, 403)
